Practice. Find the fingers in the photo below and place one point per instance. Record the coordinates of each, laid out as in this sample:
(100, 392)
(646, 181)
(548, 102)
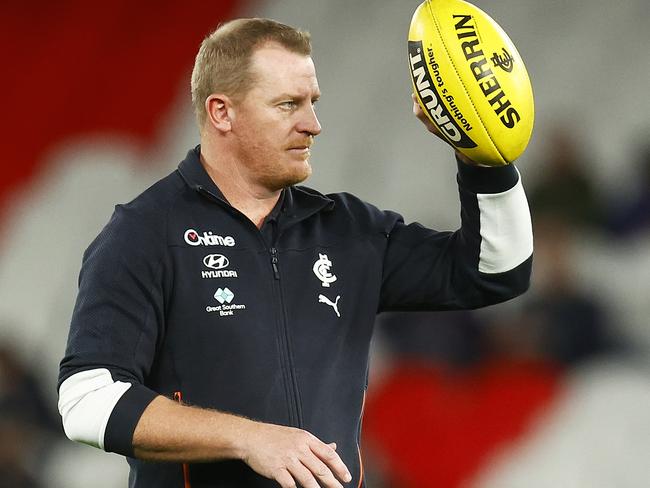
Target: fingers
(285, 479)
(328, 455)
(307, 475)
(417, 110)
(321, 472)
(419, 113)
(293, 457)
(304, 476)
(316, 467)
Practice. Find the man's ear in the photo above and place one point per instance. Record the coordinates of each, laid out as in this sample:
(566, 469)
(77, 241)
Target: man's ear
(219, 110)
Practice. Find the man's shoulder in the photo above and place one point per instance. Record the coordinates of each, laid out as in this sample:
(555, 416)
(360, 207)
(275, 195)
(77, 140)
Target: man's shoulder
(351, 207)
(145, 217)
(345, 199)
(158, 199)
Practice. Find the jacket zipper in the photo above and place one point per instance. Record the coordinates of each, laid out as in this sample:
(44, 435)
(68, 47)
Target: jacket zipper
(291, 382)
(274, 263)
(178, 396)
(296, 411)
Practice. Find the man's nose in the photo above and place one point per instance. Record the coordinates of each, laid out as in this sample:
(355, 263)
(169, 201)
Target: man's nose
(309, 122)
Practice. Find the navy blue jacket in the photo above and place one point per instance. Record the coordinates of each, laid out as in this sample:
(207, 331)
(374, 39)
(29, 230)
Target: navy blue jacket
(180, 292)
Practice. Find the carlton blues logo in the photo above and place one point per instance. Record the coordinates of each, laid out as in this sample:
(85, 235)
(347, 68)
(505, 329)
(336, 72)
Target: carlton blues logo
(505, 62)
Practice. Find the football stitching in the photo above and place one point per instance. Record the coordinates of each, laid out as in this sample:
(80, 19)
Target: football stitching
(435, 22)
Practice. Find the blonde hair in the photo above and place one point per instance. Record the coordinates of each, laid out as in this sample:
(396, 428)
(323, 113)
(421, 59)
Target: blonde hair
(223, 62)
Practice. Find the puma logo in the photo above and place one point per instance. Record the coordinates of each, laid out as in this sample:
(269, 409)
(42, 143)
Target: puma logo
(334, 305)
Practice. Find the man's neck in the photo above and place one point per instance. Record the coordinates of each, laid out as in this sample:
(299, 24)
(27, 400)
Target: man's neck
(254, 202)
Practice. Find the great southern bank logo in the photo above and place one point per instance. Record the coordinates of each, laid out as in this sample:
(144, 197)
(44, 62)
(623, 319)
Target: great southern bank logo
(226, 307)
(193, 238)
(224, 295)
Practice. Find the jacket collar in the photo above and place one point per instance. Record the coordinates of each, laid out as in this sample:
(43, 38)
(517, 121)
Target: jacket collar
(195, 174)
(299, 202)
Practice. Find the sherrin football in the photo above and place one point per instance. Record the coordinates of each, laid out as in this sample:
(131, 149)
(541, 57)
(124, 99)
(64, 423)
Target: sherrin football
(470, 81)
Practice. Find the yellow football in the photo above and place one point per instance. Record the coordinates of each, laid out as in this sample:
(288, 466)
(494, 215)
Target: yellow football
(470, 81)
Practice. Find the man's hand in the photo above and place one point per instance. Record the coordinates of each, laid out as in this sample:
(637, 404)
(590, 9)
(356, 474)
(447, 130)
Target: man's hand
(169, 431)
(431, 127)
(292, 456)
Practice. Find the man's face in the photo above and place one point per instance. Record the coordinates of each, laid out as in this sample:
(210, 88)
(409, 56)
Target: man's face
(275, 123)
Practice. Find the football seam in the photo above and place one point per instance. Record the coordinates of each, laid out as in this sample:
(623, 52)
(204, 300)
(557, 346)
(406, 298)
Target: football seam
(460, 79)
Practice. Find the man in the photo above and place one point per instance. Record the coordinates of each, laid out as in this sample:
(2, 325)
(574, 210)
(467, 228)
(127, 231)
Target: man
(221, 332)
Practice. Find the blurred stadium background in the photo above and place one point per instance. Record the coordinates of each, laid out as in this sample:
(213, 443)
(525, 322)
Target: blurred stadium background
(550, 390)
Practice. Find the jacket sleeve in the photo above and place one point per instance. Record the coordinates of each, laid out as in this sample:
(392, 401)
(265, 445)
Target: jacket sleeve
(116, 325)
(488, 260)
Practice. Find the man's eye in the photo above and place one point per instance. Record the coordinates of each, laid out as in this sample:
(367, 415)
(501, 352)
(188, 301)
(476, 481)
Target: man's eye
(289, 104)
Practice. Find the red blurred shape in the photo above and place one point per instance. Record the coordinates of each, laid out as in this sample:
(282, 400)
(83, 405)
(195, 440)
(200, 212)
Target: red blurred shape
(72, 68)
(437, 431)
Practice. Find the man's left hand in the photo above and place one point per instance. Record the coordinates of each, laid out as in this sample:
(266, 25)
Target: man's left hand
(431, 127)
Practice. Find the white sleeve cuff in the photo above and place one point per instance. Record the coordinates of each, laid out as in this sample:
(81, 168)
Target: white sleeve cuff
(86, 401)
(506, 230)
